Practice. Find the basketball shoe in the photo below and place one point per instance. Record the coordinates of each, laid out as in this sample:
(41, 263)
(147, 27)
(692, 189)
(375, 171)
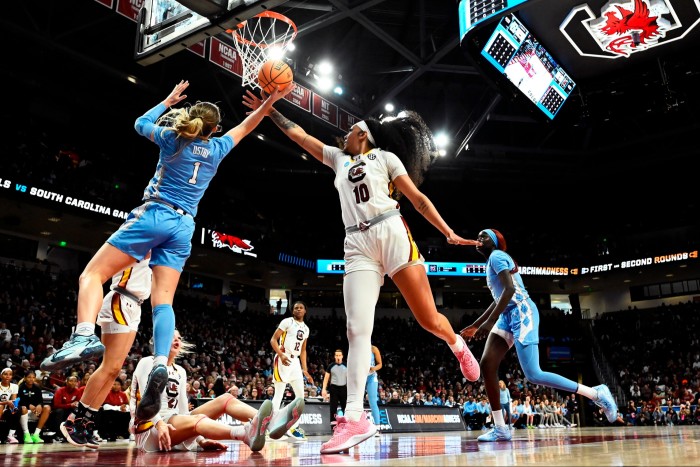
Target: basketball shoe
(284, 419)
(348, 434)
(255, 431)
(607, 402)
(78, 432)
(497, 433)
(150, 402)
(467, 362)
(76, 349)
(296, 435)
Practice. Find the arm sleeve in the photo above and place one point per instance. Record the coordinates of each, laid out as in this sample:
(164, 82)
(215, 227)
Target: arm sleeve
(145, 124)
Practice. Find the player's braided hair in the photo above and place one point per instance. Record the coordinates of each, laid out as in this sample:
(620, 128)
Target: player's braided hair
(407, 136)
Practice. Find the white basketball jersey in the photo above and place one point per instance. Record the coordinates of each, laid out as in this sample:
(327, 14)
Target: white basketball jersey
(6, 392)
(363, 182)
(293, 337)
(135, 279)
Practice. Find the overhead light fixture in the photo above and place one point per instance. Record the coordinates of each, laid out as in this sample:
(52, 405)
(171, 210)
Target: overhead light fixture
(54, 219)
(45, 233)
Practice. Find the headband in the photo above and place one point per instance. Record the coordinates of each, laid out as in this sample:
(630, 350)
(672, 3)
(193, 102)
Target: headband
(492, 234)
(4, 370)
(362, 125)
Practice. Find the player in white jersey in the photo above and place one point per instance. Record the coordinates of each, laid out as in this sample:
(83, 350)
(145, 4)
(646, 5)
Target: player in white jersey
(175, 427)
(289, 366)
(8, 396)
(379, 162)
(119, 318)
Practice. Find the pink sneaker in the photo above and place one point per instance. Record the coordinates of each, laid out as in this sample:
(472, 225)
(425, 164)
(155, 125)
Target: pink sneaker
(467, 362)
(11, 440)
(348, 434)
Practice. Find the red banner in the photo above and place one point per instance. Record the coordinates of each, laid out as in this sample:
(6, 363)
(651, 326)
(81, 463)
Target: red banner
(346, 120)
(301, 97)
(225, 56)
(108, 3)
(325, 110)
(129, 8)
(198, 48)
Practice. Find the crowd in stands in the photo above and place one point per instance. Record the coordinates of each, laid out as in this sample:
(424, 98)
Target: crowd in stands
(655, 351)
(88, 170)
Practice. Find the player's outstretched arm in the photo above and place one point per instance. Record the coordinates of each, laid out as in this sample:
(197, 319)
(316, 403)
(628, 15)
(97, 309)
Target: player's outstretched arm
(293, 131)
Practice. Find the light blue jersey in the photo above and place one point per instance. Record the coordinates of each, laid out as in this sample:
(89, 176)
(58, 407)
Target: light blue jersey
(520, 320)
(185, 167)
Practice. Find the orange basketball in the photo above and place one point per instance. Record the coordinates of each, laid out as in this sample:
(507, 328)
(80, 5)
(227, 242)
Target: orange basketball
(274, 74)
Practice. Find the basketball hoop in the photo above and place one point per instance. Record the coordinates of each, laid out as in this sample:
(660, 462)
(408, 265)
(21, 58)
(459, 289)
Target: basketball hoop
(259, 39)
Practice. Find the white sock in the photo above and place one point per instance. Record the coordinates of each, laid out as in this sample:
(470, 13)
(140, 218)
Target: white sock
(457, 346)
(498, 417)
(11, 433)
(238, 432)
(591, 393)
(160, 360)
(24, 422)
(85, 328)
(37, 432)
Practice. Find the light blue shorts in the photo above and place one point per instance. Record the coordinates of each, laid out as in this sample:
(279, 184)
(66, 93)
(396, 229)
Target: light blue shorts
(159, 229)
(519, 322)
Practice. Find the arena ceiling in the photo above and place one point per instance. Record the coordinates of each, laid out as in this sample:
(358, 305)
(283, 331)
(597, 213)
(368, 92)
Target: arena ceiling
(614, 164)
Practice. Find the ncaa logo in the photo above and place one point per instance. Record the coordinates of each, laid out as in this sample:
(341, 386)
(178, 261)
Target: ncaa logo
(625, 27)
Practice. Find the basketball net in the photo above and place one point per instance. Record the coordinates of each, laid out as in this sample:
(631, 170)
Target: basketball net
(263, 37)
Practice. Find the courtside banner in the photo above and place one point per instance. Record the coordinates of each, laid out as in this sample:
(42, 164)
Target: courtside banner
(409, 418)
(394, 418)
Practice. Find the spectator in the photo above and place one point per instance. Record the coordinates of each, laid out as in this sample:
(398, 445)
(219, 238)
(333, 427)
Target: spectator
(115, 415)
(10, 412)
(65, 399)
(33, 408)
(572, 409)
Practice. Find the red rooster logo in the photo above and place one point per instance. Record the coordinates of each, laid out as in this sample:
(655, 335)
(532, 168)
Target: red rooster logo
(223, 240)
(634, 27)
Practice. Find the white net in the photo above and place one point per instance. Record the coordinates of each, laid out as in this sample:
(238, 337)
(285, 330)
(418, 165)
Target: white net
(263, 37)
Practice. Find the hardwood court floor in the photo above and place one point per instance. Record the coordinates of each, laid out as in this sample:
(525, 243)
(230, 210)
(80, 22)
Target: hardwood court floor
(576, 447)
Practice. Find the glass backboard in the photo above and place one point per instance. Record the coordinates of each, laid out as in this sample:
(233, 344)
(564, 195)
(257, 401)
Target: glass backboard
(165, 27)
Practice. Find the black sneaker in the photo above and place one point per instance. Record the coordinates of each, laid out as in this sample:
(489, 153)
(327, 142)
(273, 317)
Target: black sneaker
(74, 432)
(91, 439)
(150, 402)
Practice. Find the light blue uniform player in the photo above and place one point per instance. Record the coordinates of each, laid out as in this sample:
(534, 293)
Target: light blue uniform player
(513, 319)
(373, 385)
(163, 224)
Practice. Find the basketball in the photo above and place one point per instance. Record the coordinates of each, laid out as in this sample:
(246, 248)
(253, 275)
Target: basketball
(274, 74)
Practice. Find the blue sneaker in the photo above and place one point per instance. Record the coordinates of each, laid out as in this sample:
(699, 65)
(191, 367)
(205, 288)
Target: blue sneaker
(150, 402)
(286, 418)
(497, 433)
(607, 402)
(75, 350)
(296, 435)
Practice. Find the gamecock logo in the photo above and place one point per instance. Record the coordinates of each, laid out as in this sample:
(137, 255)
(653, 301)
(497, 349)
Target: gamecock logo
(625, 27)
(235, 244)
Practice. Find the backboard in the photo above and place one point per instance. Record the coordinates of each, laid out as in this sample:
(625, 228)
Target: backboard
(165, 27)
